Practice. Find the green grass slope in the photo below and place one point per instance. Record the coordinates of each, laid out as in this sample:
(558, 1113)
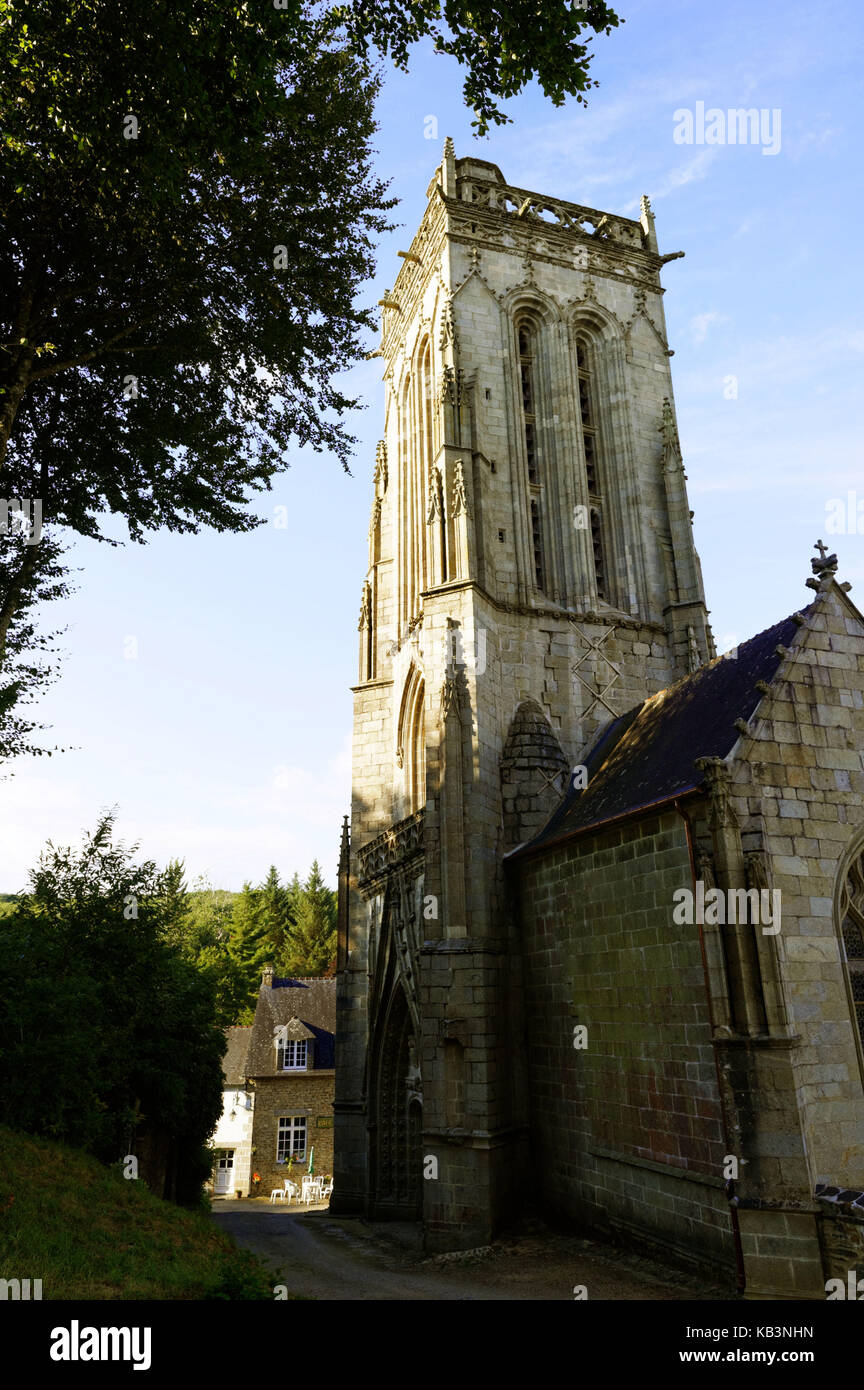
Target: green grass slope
(87, 1232)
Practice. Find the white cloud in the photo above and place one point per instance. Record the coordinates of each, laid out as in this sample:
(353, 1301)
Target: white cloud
(695, 168)
(700, 323)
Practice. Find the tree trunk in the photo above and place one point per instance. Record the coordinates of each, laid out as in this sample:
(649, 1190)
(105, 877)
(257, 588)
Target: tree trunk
(21, 366)
(10, 599)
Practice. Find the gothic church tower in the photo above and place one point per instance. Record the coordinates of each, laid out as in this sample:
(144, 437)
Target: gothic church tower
(532, 573)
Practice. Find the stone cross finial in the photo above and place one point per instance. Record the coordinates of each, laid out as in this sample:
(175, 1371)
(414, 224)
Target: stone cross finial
(825, 564)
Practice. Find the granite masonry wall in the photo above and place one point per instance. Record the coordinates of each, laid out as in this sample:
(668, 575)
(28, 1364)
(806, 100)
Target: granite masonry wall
(627, 1130)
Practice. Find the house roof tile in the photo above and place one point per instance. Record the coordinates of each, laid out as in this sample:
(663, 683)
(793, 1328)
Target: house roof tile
(312, 1002)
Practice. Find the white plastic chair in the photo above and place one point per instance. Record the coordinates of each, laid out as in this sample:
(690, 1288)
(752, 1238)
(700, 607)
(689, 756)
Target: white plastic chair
(291, 1190)
(311, 1190)
(278, 1193)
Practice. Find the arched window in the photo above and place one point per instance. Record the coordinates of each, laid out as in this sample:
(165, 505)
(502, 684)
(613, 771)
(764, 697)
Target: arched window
(593, 464)
(417, 764)
(412, 740)
(852, 929)
(526, 376)
(424, 461)
(406, 509)
(526, 340)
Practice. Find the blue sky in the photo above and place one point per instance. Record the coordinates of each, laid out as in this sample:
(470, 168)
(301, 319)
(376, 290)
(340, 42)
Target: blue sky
(226, 740)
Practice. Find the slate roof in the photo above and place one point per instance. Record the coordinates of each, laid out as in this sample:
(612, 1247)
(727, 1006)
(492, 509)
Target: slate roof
(234, 1061)
(313, 1002)
(647, 756)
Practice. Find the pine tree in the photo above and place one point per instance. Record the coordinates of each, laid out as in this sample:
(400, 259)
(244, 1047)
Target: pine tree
(293, 893)
(276, 912)
(249, 945)
(174, 904)
(311, 943)
(285, 959)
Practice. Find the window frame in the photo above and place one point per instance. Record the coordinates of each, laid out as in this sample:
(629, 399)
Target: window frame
(291, 1125)
(294, 1043)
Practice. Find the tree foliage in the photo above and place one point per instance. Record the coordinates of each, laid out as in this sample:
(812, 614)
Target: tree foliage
(500, 47)
(155, 157)
(107, 1036)
(310, 947)
(249, 946)
(201, 930)
(35, 575)
(278, 910)
(231, 937)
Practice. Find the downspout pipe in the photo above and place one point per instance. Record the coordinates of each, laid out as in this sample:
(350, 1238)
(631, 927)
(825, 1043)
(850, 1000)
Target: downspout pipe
(730, 1186)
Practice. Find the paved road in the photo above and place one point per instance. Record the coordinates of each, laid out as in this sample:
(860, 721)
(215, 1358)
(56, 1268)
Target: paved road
(340, 1259)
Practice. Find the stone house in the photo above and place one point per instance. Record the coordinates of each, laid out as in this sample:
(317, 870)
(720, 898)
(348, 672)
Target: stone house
(232, 1140)
(290, 1069)
(549, 757)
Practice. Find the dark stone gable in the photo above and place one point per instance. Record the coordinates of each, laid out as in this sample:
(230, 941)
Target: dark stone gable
(647, 756)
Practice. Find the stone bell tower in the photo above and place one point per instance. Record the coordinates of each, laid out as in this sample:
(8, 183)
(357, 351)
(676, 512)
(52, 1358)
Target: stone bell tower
(531, 574)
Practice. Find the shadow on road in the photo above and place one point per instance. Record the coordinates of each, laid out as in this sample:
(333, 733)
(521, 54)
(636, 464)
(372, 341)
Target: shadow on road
(343, 1258)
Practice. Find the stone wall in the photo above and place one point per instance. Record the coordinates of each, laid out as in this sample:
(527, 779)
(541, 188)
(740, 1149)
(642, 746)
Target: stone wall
(627, 1132)
(310, 1095)
(801, 774)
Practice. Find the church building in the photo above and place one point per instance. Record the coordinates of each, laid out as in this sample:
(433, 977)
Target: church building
(601, 930)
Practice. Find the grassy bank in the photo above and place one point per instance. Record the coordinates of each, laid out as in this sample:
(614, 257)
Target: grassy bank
(87, 1232)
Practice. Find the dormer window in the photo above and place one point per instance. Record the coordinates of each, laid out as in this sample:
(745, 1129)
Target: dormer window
(291, 1054)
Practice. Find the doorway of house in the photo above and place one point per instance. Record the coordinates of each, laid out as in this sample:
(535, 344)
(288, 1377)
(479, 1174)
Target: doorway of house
(223, 1185)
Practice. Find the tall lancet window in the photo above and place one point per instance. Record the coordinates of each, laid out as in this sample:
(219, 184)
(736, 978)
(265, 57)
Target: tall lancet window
(593, 465)
(424, 461)
(411, 750)
(528, 384)
(405, 508)
(526, 378)
(417, 772)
